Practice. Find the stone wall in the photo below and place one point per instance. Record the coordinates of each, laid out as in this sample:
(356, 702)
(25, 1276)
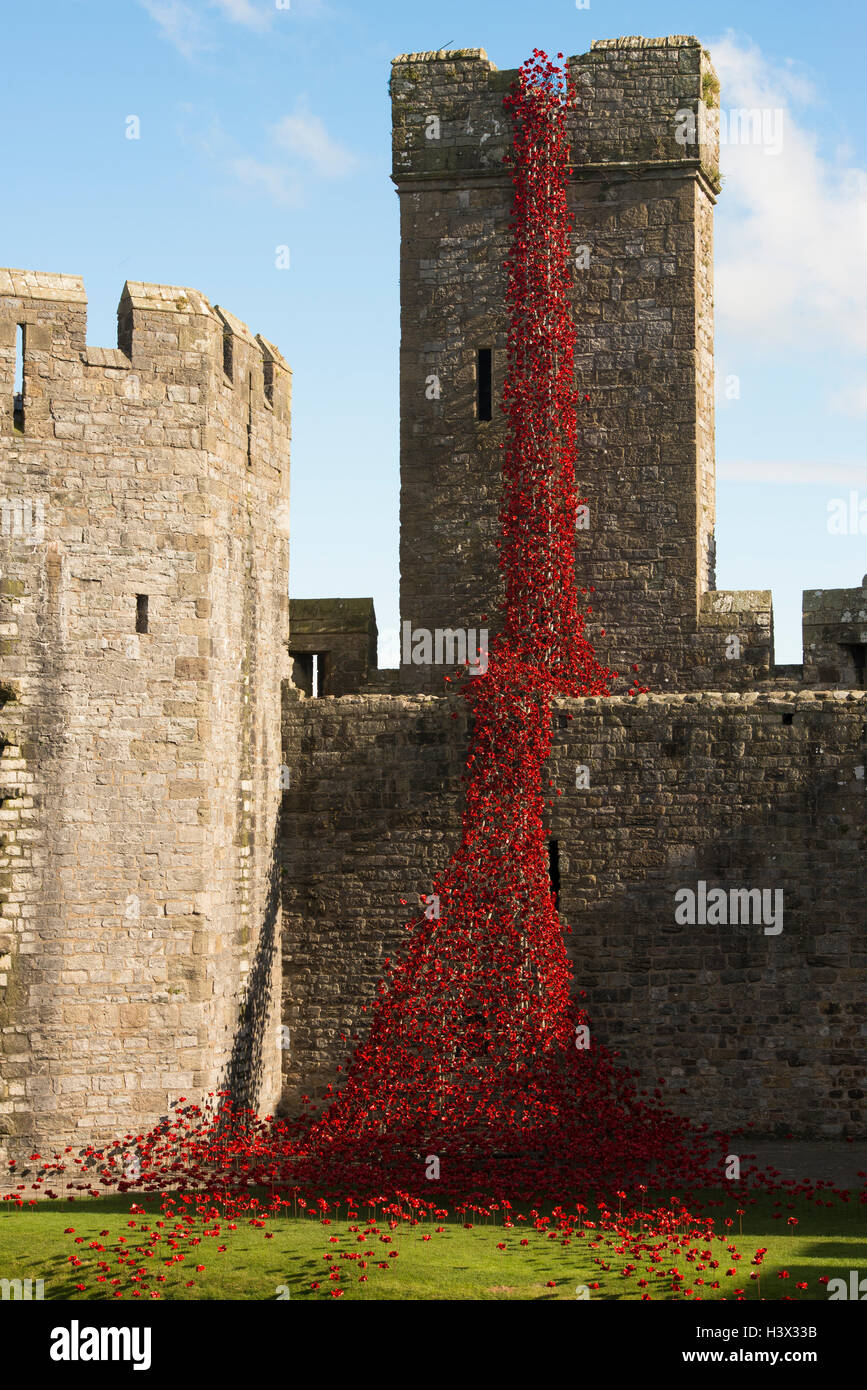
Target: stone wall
(739, 791)
(371, 815)
(144, 560)
(643, 297)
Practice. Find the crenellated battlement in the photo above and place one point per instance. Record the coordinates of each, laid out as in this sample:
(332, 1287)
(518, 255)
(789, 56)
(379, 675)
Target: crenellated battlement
(448, 116)
(834, 625)
(184, 374)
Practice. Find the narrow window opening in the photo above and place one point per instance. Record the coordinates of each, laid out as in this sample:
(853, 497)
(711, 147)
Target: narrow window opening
(268, 375)
(483, 384)
(18, 388)
(554, 870)
(310, 672)
(141, 613)
(788, 718)
(320, 674)
(227, 355)
(857, 653)
(679, 744)
(250, 418)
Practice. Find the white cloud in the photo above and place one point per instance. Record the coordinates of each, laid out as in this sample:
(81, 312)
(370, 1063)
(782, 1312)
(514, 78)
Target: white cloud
(851, 400)
(768, 471)
(180, 24)
(306, 151)
(792, 226)
(304, 135)
(276, 180)
(189, 24)
(388, 648)
(285, 176)
(244, 12)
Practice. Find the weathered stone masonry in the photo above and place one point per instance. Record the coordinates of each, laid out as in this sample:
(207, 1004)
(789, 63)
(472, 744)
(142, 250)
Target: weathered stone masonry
(738, 790)
(140, 768)
(144, 636)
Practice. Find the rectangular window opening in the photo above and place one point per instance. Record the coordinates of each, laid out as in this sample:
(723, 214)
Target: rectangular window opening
(857, 653)
(250, 419)
(141, 613)
(302, 671)
(483, 383)
(268, 374)
(320, 674)
(310, 672)
(554, 870)
(18, 388)
(227, 355)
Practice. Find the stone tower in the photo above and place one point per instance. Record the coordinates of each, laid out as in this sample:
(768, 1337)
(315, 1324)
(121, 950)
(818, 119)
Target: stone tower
(144, 557)
(642, 194)
(732, 773)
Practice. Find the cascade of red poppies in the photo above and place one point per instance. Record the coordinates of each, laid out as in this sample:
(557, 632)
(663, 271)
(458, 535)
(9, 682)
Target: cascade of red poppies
(476, 1056)
(543, 625)
(475, 1051)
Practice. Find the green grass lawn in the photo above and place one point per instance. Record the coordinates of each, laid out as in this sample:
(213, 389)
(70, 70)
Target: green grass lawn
(455, 1264)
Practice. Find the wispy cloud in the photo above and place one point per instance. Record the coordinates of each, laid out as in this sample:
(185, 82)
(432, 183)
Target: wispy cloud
(246, 13)
(279, 183)
(304, 136)
(190, 25)
(305, 152)
(299, 152)
(180, 24)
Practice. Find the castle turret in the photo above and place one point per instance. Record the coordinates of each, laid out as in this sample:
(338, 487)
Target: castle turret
(144, 556)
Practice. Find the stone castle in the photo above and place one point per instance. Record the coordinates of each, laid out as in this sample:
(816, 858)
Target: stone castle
(217, 813)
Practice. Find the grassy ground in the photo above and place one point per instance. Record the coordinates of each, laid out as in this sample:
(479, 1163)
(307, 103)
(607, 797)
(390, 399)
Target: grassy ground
(454, 1264)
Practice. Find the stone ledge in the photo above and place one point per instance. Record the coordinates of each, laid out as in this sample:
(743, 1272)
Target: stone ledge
(42, 284)
(636, 41)
(106, 357)
(770, 700)
(445, 55)
(170, 299)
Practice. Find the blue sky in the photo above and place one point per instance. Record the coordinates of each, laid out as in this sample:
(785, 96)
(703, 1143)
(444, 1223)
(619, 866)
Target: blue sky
(263, 127)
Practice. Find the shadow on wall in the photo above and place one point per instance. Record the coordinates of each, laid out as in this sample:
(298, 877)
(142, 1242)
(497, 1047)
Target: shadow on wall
(245, 1069)
(758, 1019)
(757, 1026)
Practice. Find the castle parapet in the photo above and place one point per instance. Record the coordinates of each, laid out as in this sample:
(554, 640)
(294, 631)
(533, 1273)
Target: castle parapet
(647, 102)
(184, 374)
(835, 636)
